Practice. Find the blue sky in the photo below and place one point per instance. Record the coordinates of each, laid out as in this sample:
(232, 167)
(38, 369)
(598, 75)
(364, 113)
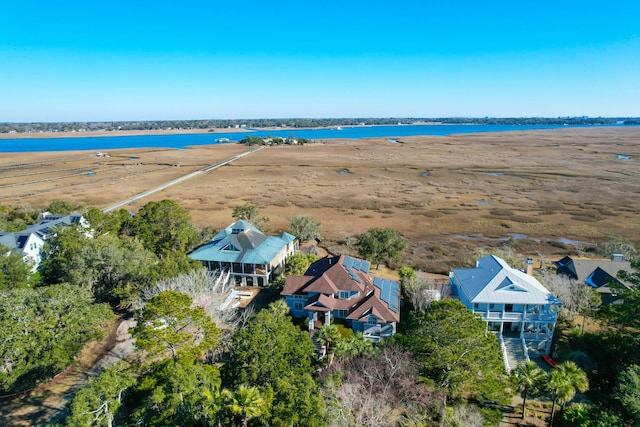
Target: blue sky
(143, 60)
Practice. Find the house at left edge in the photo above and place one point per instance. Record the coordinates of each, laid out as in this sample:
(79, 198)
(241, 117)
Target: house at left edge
(30, 241)
(250, 257)
(341, 287)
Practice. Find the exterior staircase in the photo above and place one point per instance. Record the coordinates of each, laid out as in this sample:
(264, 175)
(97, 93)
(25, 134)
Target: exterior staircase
(515, 352)
(320, 349)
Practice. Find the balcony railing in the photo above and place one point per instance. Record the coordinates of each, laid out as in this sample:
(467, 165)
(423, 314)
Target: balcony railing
(542, 335)
(511, 316)
(375, 333)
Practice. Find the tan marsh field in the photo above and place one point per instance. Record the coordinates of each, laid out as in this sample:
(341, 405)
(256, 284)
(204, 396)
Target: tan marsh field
(550, 191)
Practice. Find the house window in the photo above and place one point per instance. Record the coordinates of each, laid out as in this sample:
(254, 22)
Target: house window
(231, 248)
(344, 294)
(508, 307)
(491, 306)
(372, 320)
(297, 306)
(341, 313)
(476, 305)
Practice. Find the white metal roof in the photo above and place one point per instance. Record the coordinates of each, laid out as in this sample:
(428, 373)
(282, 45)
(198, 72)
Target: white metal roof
(493, 281)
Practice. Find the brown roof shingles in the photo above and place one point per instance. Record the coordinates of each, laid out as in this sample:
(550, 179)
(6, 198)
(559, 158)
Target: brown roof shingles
(329, 276)
(372, 303)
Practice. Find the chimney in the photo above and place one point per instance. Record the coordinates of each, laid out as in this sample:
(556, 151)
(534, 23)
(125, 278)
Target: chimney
(617, 257)
(529, 269)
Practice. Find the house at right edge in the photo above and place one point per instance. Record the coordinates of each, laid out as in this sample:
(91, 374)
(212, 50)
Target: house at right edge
(511, 302)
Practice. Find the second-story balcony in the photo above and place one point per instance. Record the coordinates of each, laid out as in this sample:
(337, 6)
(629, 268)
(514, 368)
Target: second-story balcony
(511, 316)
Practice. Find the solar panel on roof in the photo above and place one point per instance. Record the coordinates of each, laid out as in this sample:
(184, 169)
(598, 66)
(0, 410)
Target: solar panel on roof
(395, 297)
(364, 266)
(377, 282)
(354, 276)
(389, 292)
(347, 262)
(355, 264)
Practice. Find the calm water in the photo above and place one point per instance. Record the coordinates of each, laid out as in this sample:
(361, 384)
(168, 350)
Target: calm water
(183, 141)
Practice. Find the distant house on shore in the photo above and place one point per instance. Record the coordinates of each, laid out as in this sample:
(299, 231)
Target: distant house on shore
(246, 253)
(30, 241)
(597, 273)
(341, 287)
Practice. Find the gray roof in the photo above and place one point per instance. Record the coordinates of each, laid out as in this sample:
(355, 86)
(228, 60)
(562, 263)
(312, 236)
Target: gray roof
(494, 281)
(9, 239)
(241, 242)
(582, 269)
(16, 240)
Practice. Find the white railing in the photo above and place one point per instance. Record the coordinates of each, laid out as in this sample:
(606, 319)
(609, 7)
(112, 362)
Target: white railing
(375, 333)
(222, 281)
(524, 346)
(510, 315)
(505, 357)
(496, 315)
(541, 336)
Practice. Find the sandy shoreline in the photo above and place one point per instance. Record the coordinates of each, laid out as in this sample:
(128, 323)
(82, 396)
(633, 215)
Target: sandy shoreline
(89, 134)
(98, 134)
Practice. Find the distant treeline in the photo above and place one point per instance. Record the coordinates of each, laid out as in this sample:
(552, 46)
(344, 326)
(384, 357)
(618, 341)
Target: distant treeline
(303, 123)
(269, 140)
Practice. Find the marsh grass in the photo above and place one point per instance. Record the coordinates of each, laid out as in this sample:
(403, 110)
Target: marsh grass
(550, 188)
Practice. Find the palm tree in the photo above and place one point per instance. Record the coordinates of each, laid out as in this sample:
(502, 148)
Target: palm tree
(328, 335)
(560, 390)
(360, 345)
(563, 383)
(528, 377)
(353, 346)
(212, 405)
(576, 377)
(279, 307)
(247, 402)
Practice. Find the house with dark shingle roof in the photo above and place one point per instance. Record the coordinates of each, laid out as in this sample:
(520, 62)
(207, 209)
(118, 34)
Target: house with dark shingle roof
(341, 287)
(597, 273)
(246, 253)
(30, 241)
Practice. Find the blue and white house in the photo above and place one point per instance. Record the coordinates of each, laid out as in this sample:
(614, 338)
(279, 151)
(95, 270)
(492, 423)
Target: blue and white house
(30, 241)
(511, 302)
(249, 256)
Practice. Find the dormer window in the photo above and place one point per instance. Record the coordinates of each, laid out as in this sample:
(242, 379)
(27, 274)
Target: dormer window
(231, 248)
(344, 295)
(236, 230)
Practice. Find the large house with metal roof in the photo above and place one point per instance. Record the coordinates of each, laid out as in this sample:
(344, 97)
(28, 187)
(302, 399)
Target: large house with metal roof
(512, 303)
(30, 241)
(597, 273)
(249, 256)
(341, 287)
